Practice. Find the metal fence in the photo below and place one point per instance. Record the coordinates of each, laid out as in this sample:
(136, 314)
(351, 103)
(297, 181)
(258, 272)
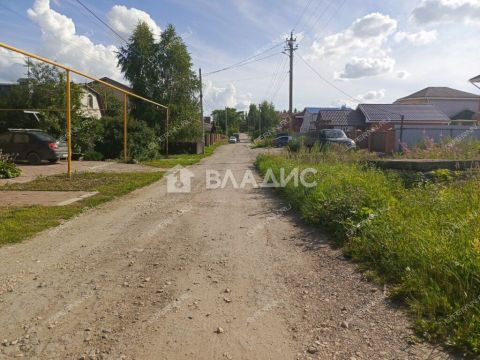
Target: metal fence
(412, 135)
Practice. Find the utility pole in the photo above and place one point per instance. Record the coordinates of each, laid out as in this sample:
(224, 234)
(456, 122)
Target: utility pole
(226, 121)
(28, 67)
(291, 47)
(400, 145)
(201, 110)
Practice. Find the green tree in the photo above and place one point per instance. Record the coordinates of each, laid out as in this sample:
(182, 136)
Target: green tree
(163, 72)
(139, 66)
(253, 120)
(262, 119)
(232, 116)
(269, 117)
(45, 89)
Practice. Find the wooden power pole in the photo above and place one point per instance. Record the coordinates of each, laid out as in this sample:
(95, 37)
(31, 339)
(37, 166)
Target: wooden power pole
(201, 110)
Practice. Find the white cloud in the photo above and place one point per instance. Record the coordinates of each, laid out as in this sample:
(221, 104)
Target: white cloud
(219, 97)
(368, 33)
(358, 68)
(437, 11)
(61, 42)
(419, 38)
(403, 74)
(124, 20)
(11, 65)
(372, 96)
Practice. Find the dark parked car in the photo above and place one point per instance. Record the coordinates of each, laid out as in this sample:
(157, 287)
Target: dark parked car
(334, 136)
(281, 141)
(32, 146)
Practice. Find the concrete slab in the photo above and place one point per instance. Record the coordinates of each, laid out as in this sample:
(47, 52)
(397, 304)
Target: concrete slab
(45, 198)
(31, 172)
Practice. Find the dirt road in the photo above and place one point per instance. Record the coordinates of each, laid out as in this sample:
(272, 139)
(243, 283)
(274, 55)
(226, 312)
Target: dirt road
(214, 274)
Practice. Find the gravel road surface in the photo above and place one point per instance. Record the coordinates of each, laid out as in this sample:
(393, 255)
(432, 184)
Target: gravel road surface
(212, 274)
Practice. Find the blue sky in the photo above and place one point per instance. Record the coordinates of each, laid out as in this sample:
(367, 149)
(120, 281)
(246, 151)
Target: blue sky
(375, 51)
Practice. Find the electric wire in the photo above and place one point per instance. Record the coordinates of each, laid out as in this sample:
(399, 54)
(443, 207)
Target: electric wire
(102, 21)
(249, 60)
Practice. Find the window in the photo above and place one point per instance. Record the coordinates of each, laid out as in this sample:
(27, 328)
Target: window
(90, 101)
(334, 134)
(21, 138)
(42, 136)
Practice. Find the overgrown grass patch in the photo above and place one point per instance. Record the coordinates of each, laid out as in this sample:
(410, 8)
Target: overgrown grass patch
(20, 223)
(183, 159)
(424, 240)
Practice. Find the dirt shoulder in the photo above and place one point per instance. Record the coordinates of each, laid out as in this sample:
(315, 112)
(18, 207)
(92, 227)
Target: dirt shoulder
(214, 274)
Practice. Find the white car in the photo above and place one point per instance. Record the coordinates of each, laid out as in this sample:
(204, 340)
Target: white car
(232, 140)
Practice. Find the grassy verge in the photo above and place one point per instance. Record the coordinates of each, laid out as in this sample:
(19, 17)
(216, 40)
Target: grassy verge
(424, 240)
(183, 159)
(20, 223)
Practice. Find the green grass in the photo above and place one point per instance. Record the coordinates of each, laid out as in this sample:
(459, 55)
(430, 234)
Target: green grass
(424, 240)
(183, 159)
(20, 223)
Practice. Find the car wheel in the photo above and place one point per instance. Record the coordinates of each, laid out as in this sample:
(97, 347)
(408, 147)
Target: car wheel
(34, 159)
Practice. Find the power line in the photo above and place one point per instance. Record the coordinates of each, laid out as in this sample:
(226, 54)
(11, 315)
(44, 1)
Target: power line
(275, 78)
(307, 5)
(312, 15)
(341, 90)
(245, 79)
(11, 10)
(244, 62)
(332, 16)
(279, 86)
(328, 81)
(101, 20)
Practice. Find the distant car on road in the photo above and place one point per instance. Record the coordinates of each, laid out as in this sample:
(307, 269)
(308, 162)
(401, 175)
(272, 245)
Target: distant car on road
(232, 140)
(33, 146)
(281, 141)
(334, 136)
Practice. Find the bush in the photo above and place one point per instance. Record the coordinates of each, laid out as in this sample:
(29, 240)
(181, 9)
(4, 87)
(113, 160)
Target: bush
(295, 145)
(142, 141)
(262, 143)
(93, 156)
(425, 240)
(8, 169)
(86, 133)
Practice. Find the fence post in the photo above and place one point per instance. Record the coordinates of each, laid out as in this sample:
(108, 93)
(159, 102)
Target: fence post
(125, 127)
(69, 125)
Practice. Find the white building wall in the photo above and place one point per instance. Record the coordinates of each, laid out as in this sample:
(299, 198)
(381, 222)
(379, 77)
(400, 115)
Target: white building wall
(91, 110)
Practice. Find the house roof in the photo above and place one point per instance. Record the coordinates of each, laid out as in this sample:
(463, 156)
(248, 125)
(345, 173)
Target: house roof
(116, 83)
(475, 79)
(345, 117)
(393, 112)
(440, 92)
(316, 110)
